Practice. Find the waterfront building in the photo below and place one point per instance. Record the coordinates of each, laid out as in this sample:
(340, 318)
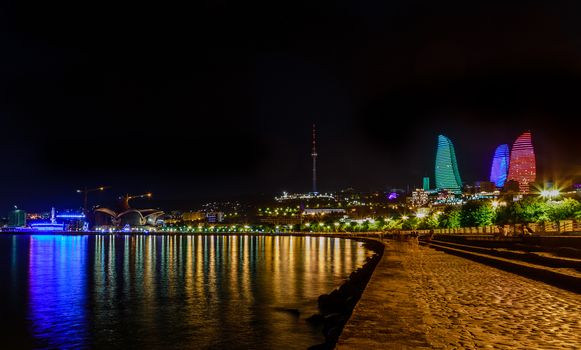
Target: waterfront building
(125, 216)
(53, 225)
(500, 164)
(17, 218)
(522, 166)
(447, 175)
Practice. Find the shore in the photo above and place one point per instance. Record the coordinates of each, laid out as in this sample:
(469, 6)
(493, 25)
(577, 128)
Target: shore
(336, 308)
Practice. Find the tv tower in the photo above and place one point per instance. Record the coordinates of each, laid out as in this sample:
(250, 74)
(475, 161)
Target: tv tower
(314, 155)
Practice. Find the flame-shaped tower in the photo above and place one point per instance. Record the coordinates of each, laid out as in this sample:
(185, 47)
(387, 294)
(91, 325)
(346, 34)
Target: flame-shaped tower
(522, 162)
(500, 163)
(447, 175)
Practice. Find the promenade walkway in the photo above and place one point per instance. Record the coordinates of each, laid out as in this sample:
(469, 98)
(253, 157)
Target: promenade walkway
(420, 298)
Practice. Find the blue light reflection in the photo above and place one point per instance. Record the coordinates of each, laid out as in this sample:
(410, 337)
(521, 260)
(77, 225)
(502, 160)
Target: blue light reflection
(58, 290)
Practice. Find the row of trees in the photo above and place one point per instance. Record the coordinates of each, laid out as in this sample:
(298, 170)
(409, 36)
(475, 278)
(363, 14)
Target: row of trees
(485, 213)
(471, 214)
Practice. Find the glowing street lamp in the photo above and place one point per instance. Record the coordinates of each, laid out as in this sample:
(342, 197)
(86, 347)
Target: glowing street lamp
(550, 194)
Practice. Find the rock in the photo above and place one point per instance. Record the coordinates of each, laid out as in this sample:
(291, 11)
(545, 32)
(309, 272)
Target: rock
(336, 308)
(316, 319)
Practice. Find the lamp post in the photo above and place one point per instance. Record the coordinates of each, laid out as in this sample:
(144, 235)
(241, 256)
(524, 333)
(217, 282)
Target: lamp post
(86, 191)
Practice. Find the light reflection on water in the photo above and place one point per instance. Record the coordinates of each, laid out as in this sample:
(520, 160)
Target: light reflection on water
(197, 291)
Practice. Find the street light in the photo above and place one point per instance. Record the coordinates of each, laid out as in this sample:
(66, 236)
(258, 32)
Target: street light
(550, 194)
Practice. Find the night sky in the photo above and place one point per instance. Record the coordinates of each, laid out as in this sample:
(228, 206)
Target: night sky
(215, 99)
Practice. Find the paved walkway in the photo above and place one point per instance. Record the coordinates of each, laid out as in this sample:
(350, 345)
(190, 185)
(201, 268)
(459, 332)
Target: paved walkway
(419, 298)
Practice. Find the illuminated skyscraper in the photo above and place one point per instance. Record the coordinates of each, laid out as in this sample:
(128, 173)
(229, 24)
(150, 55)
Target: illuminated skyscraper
(447, 175)
(500, 163)
(426, 183)
(522, 162)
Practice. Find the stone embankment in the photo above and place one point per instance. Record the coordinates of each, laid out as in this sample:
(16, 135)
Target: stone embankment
(336, 308)
(421, 298)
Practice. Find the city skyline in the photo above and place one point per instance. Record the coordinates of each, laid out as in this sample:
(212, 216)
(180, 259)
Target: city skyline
(195, 201)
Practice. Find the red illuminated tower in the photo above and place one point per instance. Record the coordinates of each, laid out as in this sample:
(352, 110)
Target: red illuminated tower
(522, 162)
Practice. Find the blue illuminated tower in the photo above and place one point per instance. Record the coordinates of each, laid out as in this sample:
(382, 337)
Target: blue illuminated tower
(447, 175)
(500, 164)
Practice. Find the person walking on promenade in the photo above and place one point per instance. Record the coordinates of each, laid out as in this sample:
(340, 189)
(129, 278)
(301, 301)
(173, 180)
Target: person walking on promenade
(501, 232)
(430, 236)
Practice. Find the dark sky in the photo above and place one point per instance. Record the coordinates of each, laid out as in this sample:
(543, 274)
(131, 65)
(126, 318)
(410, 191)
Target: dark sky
(197, 100)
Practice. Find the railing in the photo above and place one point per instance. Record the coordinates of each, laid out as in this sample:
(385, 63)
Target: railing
(547, 228)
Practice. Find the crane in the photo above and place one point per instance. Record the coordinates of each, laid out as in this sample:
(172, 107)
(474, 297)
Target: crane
(125, 199)
(86, 192)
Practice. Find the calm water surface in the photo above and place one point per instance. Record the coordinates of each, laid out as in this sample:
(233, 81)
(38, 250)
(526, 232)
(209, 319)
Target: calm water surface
(170, 292)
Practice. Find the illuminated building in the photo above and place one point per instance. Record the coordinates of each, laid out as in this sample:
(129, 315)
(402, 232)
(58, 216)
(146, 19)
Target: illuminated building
(17, 218)
(127, 216)
(131, 217)
(522, 166)
(419, 198)
(447, 175)
(323, 211)
(500, 163)
(193, 216)
(49, 226)
(214, 217)
(426, 183)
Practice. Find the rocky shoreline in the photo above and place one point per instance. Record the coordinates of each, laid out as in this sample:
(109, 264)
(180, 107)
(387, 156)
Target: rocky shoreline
(336, 308)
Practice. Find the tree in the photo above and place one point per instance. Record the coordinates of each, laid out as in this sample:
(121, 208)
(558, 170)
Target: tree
(430, 221)
(450, 218)
(532, 209)
(566, 209)
(477, 213)
(410, 224)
